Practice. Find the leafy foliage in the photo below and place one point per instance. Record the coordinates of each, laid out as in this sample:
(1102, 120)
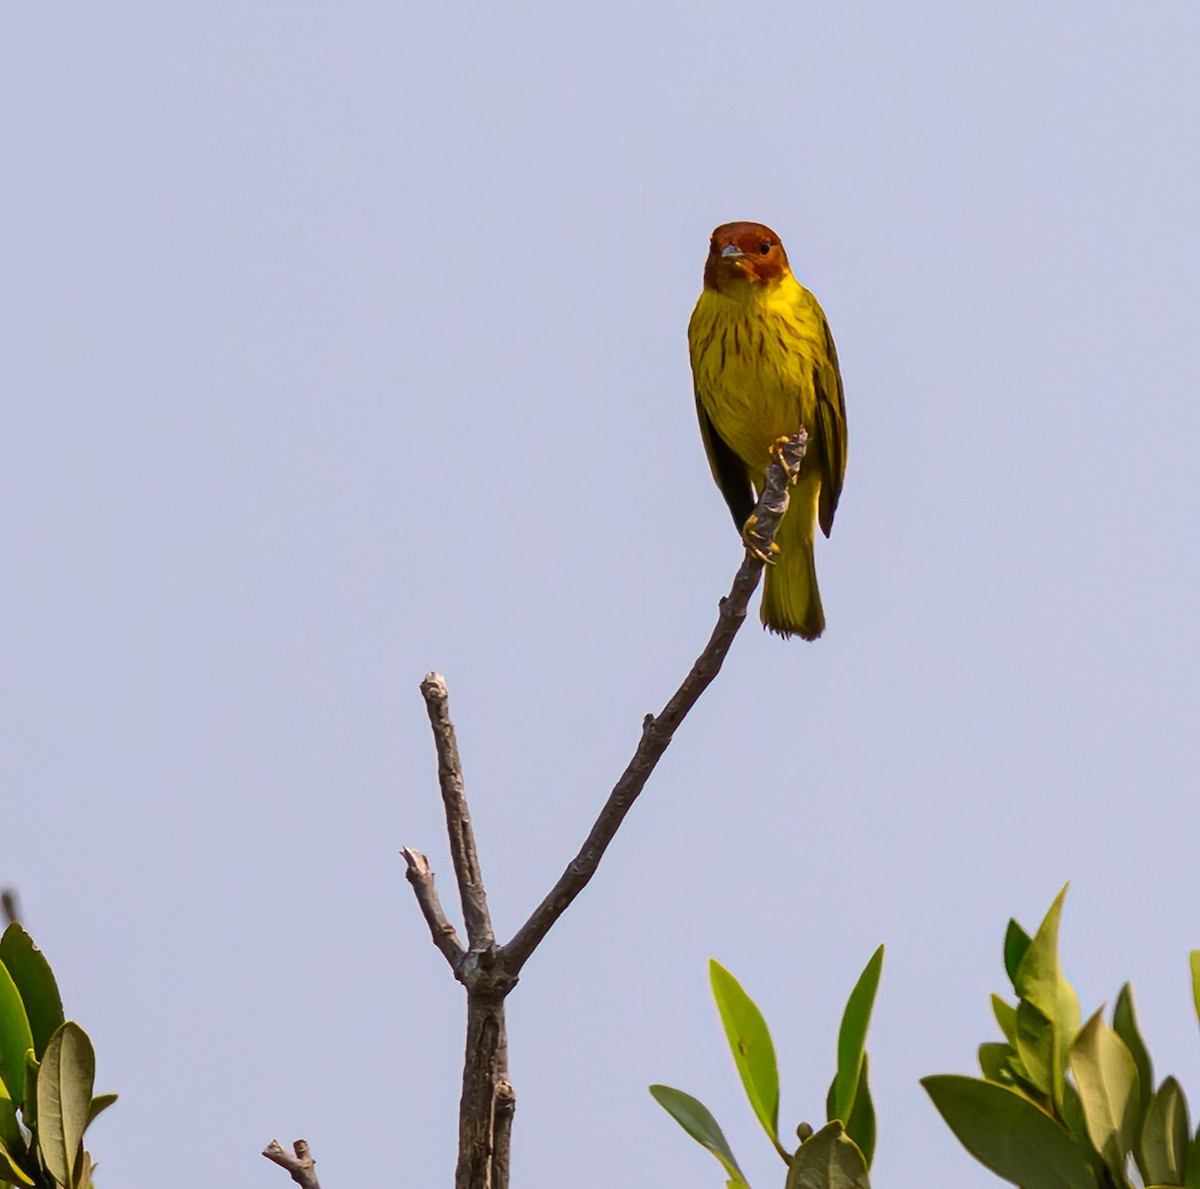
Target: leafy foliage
(839, 1155)
(47, 1070)
(1064, 1106)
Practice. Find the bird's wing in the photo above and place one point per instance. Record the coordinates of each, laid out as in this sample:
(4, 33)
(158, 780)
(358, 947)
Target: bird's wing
(728, 469)
(831, 430)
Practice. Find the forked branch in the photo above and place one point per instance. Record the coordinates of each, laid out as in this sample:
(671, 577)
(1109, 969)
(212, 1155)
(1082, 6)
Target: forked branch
(489, 972)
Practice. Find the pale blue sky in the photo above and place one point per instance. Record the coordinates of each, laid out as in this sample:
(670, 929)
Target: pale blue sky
(342, 342)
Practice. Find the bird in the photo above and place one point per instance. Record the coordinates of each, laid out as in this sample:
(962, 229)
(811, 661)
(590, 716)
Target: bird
(764, 365)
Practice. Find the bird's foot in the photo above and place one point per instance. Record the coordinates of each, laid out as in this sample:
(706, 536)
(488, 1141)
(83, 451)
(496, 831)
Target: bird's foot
(756, 546)
(778, 450)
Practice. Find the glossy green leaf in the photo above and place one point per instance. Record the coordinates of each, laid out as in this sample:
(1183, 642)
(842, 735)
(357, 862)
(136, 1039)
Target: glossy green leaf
(753, 1051)
(15, 1038)
(1164, 1136)
(828, 1160)
(1106, 1077)
(1194, 962)
(29, 1108)
(64, 1099)
(1124, 1022)
(1016, 942)
(696, 1119)
(1040, 982)
(100, 1103)
(34, 981)
(1073, 1118)
(10, 1167)
(860, 1127)
(999, 1062)
(10, 1128)
(1006, 1018)
(852, 1036)
(1008, 1134)
(13, 1147)
(994, 1062)
(1191, 1176)
(1036, 1047)
(83, 1179)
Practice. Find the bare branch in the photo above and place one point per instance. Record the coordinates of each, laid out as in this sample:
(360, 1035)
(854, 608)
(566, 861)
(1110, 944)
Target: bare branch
(300, 1166)
(485, 1109)
(658, 732)
(420, 875)
(458, 816)
(11, 906)
(503, 1109)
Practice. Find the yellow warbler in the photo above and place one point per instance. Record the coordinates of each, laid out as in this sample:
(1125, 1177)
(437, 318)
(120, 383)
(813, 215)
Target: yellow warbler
(764, 365)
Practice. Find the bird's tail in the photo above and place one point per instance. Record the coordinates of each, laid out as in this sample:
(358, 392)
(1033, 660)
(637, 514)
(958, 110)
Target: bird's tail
(791, 603)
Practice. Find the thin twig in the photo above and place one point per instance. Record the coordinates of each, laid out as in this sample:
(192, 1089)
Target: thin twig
(458, 817)
(658, 732)
(420, 875)
(11, 906)
(300, 1166)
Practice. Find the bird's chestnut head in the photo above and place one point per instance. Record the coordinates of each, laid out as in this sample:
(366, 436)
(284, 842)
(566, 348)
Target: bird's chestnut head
(740, 253)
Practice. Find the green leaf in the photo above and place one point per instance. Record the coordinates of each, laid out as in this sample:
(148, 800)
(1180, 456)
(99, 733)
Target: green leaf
(1124, 1022)
(860, 1127)
(1008, 1134)
(852, 1036)
(1036, 1048)
(84, 1176)
(34, 980)
(753, 1051)
(1194, 962)
(994, 1062)
(1016, 942)
(1073, 1119)
(1106, 1077)
(15, 1038)
(1001, 1063)
(13, 1147)
(10, 1128)
(696, 1119)
(10, 1168)
(1192, 1174)
(1006, 1017)
(100, 1103)
(1039, 980)
(1164, 1136)
(828, 1160)
(64, 1098)
(29, 1109)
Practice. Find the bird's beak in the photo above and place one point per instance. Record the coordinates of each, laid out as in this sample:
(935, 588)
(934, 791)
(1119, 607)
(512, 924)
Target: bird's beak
(731, 252)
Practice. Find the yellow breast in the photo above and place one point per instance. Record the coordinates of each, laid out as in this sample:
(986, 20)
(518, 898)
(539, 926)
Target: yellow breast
(754, 354)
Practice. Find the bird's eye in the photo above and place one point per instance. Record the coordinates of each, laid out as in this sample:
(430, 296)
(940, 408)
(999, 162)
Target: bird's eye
(764, 247)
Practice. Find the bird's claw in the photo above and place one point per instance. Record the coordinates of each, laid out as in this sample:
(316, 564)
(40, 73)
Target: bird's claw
(756, 546)
(778, 452)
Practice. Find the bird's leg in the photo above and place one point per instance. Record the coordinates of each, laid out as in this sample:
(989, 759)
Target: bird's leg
(755, 544)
